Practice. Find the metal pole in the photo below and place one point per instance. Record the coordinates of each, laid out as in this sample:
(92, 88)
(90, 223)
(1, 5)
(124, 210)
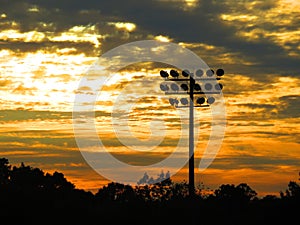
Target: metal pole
(191, 139)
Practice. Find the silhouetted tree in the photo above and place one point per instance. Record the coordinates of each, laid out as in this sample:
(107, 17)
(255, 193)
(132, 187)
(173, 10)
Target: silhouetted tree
(26, 178)
(5, 169)
(32, 197)
(293, 191)
(58, 181)
(116, 192)
(180, 190)
(230, 192)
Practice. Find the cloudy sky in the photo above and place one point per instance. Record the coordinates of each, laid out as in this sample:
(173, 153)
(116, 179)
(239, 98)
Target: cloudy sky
(46, 47)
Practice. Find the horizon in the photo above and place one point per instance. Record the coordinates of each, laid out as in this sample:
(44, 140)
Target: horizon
(204, 191)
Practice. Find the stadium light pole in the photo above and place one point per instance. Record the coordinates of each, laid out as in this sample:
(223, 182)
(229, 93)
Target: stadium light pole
(188, 85)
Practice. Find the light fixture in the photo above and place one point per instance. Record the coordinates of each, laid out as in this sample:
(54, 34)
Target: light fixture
(208, 86)
(186, 84)
(211, 100)
(164, 87)
(200, 100)
(174, 73)
(197, 87)
(164, 74)
(184, 101)
(173, 101)
(185, 73)
(174, 87)
(184, 87)
(199, 73)
(219, 87)
(220, 72)
(210, 73)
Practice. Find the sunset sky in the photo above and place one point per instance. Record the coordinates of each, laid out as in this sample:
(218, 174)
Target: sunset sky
(46, 47)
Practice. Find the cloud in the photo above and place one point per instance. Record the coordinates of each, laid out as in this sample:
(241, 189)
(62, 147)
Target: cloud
(290, 107)
(253, 162)
(25, 115)
(248, 30)
(22, 90)
(5, 83)
(255, 105)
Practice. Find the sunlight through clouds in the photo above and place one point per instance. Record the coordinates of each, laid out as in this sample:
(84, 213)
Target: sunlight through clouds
(43, 77)
(16, 35)
(80, 34)
(162, 38)
(191, 3)
(124, 26)
(252, 25)
(186, 5)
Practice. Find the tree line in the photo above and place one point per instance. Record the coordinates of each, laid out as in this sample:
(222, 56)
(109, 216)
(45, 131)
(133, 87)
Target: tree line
(30, 196)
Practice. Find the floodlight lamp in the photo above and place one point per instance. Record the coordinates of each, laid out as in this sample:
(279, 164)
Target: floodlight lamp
(172, 101)
(210, 100)
(164, 74)
(219, 87)
(200, 100)
(197, 87)
(174, 87)
(184, 101)
(220, 72)
(210, 73)
(185, 73)
(199, 73)
(184, 87)
(174, 73)
(208, 86)
(164, 87)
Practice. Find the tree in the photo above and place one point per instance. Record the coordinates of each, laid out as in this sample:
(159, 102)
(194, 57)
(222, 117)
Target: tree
(242, 193)
(26, 177)
(116, 192)
(57, 181)
(293, 190)
(5, 170)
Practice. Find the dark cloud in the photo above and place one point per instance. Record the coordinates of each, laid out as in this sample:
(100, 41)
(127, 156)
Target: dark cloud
(201, 25)
(253, 162)
(43, 144)
(259, 106)
(290, 106)
(24, 115)
(49, 46)
(141, 159)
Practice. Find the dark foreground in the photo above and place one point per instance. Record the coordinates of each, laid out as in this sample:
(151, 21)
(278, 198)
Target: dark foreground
(29, 196)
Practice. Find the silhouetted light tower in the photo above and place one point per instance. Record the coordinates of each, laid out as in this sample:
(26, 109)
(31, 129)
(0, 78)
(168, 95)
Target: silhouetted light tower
(192, 84)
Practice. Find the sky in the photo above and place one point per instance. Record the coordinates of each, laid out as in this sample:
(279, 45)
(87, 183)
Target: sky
(46, 47)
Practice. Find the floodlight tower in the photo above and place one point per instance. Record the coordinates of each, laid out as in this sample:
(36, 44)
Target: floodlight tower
(189, 83)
